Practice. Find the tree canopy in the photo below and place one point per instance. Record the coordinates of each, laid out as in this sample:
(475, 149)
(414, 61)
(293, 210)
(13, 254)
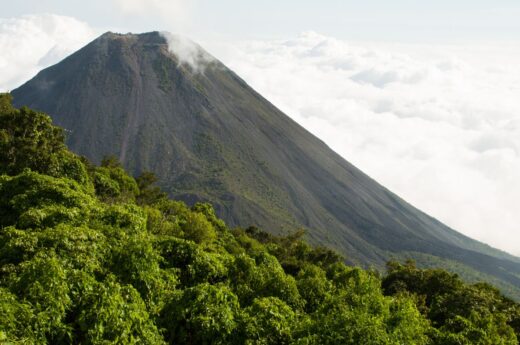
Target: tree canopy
(90, 255)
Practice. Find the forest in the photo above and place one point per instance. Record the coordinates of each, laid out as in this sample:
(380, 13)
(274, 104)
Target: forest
(92, 255)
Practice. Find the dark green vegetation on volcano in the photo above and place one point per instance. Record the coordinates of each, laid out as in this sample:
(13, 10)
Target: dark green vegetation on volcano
(209, 137)
(90, 255)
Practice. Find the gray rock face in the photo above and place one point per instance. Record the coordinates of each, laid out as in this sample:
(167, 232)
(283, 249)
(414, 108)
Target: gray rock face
(208, 136)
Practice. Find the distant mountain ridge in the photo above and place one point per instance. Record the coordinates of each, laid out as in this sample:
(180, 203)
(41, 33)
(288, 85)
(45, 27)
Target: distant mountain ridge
(209, 136)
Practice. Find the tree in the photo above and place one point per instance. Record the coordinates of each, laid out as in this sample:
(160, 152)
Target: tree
(114, 313)
(33, 200)
(149, 193)
(313, 286)
(198, 229)
(6, 103)
(203, 314)
(266, 321)
(113, 184)
(29, 140)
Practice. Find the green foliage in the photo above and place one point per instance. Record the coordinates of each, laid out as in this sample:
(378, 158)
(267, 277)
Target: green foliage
(28, 140)
(135, 262)
(268, 321)
(292, 252)
(42, 283)
(460, 313)
(114, 313)
(6, 103)
(467, 273)
(129, 217)
(263, 277)
(207, 267)
(314, 287)
(203, 314)
(197, 228)
(359, 314)
(16, 319)
(33, 200)
(208, 211)
(113, 184)
(91, 256)
(149, 193)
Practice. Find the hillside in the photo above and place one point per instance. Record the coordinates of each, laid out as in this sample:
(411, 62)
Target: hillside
(90, 255)
(209, 137)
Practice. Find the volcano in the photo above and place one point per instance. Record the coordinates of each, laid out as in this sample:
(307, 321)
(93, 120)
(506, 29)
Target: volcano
(163, 104)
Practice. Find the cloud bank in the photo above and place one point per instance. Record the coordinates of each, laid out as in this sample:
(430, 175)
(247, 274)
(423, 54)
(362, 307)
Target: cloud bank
(438, 125)
(33, 42)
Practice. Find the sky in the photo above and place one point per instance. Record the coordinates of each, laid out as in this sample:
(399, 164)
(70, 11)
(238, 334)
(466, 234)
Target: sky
(396, 20)
(421, 96)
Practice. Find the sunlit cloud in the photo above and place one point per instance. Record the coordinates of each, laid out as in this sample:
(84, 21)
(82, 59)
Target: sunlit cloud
(32, 42)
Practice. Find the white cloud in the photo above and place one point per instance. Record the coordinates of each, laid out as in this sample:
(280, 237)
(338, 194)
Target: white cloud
(32, 42)
(438, 125)
(188, 52)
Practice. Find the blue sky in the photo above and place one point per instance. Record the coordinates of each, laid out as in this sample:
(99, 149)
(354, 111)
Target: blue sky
(397, 20)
